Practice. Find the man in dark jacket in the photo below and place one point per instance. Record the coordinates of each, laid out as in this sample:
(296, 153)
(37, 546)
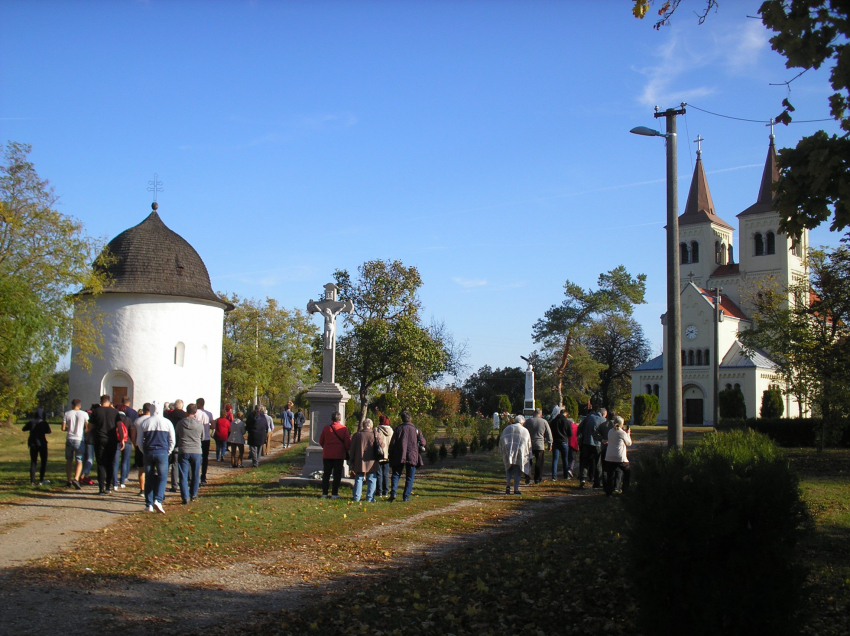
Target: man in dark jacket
(561, 434)
(257, 428)
(175, 415)
(591, 433)
(405, 454)
(103, 423)
(541, 435)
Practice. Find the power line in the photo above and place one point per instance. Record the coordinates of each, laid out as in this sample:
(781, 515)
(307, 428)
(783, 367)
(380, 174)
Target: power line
(758, 121)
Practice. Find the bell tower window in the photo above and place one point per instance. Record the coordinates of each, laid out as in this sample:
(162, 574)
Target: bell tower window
(179, 354)
(759, 244)
(731, 260)
(685, 257)
(694, 252)
(771, 243)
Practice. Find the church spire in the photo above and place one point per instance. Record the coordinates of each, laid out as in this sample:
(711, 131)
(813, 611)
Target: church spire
(700, 207)
(764, 203)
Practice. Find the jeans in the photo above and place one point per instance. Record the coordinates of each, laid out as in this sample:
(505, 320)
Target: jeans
(538, 466)
(370, 486)
(220, 450)
(297, 434)
(104, 453)
(513, 473)
(156, 474)
(409, 475)
(37, 452)
(175, 470)
(205, 458)
(255, 452)
(287, 436)
(591, 470)
(75, 450)
(122, 463)
(89, 460)
(190, 468)
(561, 450)
(332, 466)
(383, 481)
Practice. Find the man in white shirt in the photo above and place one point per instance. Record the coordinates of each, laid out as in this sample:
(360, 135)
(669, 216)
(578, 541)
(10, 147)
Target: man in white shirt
(75, 422)
(205, 418)
(137, 438)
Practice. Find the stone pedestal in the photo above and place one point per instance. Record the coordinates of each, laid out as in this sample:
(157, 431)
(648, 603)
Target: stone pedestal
(528, 403)
(325, 398)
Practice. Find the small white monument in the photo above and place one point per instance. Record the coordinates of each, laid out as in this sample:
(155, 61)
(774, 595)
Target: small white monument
(528, 404)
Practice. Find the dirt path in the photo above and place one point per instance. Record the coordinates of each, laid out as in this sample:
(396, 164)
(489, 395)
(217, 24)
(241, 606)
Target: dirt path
(48, 523)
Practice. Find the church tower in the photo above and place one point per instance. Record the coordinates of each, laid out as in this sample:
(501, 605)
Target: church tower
(705, 240)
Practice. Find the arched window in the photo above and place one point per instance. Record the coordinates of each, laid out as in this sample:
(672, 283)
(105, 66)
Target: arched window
(690, 357)
(759, 244)
(722, 250)
(684, 358)
(683, 253)
(717, 252)
(694, 252)
(655, 390)
(771, 243)
(699, 357)
(179, 354)
(737, 387)
(706, 360)
(648, 389)
(731, 259)
(728, 386)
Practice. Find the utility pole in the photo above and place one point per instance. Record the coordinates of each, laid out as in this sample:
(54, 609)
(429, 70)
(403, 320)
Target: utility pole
(675, 439)
(718, 318)
(257, 353)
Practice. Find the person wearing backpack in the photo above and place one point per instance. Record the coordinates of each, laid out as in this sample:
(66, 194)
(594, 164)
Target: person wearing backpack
(300, 419)
(37, 442)
(104, 421)
(363, 460)
(406, 449)
(335, 441)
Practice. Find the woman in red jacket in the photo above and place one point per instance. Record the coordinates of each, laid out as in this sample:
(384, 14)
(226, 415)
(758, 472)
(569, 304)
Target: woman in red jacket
(335, 441)
(221, 431)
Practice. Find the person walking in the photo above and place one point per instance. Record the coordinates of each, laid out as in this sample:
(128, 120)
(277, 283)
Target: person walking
(562, 434)
(158, 442)
(335, 441)
(574, 449)
(74, 423)
(221, 431)
(269, 430)
(619, 472)
(405, 453)
(362, 461)
(236, 439)
(205, 418)
(104, 421)
(175, 415)
(590, 433)
(37, 442)
(190, 434)
(258, 429)
(515, 447)
(541, 437)
(136, 439)
(384, 433)
(287, 421)
(121, 471)
(300, 419)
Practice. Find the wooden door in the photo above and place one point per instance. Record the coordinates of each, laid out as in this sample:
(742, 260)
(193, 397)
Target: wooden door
(118, 394)
(693, 412)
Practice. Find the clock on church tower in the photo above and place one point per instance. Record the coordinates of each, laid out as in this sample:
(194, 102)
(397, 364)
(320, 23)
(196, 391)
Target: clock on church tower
(690, 332)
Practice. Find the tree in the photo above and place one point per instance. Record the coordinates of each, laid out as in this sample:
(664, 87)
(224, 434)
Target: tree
(53, 396)
(481, 388)
(732, 404)
(618, 343)
(814, 176)
(267, 348)
(646, 409)
(445, 402)
(384, 344)
(45, 257)
(618, 292)
(772, 405)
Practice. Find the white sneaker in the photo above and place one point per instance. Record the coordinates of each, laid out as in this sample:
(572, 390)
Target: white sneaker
(148, 508)
(122, 486)
(158, 507)
(46, 482)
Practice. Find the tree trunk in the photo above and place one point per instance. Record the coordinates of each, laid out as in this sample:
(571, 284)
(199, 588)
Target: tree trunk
(364, 406)
(565, 358)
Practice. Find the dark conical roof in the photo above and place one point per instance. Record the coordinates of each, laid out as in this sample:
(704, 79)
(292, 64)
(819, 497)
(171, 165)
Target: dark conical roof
(700, 207)
(152, 259)
(768, 178)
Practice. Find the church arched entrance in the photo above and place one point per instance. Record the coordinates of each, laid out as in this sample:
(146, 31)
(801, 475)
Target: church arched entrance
(117, 385)
(694, 404)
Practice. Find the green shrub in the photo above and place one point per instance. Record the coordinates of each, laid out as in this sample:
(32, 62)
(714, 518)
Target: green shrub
(428, 426)
(444, 452)
(571, 406)
(732, 404)
(772, 404)
(456, 449)
(432, 452)
(795, 432)
(463, 447)
(713, 538)
(503, 404)
(647, 408)
(473, 445)
(492, 442)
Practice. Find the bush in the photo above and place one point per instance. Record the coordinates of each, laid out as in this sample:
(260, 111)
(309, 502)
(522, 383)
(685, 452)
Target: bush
(446, 403)
(503, 404)
(444, 452)
(455, 449)
(428, 426)
(571, 406)
(712, 538)
(795, 432)
(732, 404)
(772, 404)
(647, 408)
(473, 445)
(492, 442)
(463, 447)
(432, 452)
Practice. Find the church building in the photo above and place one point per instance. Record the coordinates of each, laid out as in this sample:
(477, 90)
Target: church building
(163, 324)
(707, 260)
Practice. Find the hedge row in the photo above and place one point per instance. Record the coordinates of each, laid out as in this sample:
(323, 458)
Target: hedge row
(793, 432)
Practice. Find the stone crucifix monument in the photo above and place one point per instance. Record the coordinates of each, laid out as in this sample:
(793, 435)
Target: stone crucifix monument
(528, 403)
(326, 396)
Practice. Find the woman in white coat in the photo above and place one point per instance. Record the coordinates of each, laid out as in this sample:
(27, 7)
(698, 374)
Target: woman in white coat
(515, 446)
(619, 472)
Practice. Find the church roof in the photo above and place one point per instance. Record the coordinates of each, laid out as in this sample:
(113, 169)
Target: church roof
(700, 207)
(736, 357)
(733, 269)
(149, 258)
(726, 304)
(656, 364)
(768, 178)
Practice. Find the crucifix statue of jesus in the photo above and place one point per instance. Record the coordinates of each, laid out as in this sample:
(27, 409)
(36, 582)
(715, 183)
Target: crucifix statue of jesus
(330, 308)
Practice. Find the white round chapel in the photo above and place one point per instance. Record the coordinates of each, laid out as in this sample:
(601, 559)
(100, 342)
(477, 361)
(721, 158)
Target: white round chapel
(162, 330)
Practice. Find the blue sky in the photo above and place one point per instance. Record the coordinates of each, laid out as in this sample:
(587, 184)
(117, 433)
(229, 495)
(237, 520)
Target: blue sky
(484, 142)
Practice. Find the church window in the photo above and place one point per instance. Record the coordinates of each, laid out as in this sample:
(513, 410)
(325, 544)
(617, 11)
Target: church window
(699, 357)
(648, 389)
(722, 249)
(731, 259)
(179, 354)
(737, 387)
(655, 390)
(728, 387)
(683, 252)
(705, 358)
(759, 244)
(694, 252)
(690, 357)
(771, 243)
(684, 358)
(717, 252)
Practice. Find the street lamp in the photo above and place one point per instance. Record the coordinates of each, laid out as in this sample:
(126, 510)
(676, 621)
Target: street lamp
(673, 346)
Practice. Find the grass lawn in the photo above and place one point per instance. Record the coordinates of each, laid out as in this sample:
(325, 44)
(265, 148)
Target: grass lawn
(15, 461)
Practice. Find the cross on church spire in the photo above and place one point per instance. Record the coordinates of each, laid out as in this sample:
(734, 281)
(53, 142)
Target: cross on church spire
(698, 141)
(771, 125)
(155, 186)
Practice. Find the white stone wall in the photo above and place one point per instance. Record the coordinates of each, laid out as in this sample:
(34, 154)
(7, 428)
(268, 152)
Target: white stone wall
(140, 338)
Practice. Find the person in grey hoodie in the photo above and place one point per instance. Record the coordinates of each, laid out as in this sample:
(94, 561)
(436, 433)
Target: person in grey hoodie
(190, 434)
(541, 437)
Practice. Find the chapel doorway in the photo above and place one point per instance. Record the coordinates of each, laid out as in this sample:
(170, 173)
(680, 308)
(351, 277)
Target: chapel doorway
(693, 412)
(118, 394)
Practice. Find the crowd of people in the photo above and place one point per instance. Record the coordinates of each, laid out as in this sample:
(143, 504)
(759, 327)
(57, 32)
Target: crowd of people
(598, 444)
